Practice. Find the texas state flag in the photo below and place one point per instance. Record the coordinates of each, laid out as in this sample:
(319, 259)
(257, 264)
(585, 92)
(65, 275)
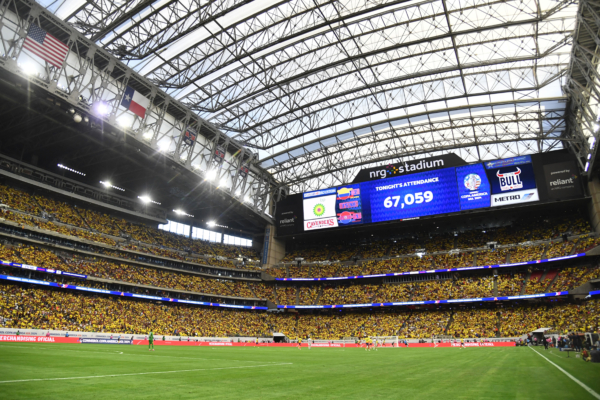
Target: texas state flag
(135, 102)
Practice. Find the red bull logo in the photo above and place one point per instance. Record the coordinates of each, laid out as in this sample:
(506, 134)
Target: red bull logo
(510, 180)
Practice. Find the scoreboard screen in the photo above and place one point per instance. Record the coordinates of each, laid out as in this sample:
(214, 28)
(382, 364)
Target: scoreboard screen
(424, 193)
(410, 196)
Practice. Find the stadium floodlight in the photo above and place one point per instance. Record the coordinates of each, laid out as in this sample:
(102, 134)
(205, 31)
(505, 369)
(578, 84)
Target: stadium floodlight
(77, 118)
(592, 142)
(238, 193)
(181, 212)
(146, 199)
(70, 169)
(101, 108)
(212, 224)
(596, 127)
(587, 166)
(123, 122)
(164, 146)
(211, 174)
(110, 185)
(28, 69)
(247, 199)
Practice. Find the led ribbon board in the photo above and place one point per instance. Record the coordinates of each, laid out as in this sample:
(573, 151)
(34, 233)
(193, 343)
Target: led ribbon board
(124, 294)
(435, 271)
(412, 303)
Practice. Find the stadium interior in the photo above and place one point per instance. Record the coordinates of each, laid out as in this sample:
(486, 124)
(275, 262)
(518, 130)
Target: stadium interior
(288, 171)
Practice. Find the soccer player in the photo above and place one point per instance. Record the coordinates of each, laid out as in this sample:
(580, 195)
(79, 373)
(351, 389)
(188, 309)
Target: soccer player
(376, 342)
(462, 343)
(309, 342)
(299, 343)
(151, 342)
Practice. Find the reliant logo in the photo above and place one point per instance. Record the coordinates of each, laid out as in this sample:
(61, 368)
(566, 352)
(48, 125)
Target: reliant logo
(286, 221)
(560, 182)
(510, 180)
(392, 170)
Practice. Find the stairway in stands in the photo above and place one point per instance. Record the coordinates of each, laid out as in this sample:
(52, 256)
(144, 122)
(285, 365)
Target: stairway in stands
(551, 276)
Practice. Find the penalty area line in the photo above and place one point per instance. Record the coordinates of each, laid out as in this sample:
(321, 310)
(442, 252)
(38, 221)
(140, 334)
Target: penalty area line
(577, 381)
(140, 373)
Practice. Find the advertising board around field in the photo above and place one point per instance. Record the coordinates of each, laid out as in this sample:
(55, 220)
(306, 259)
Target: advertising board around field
(37, 339)
(105, 341)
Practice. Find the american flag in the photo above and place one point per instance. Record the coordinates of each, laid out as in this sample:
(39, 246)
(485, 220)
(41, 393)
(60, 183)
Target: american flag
(46, 46)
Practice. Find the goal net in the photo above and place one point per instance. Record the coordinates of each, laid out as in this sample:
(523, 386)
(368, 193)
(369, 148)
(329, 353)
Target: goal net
(386, 341)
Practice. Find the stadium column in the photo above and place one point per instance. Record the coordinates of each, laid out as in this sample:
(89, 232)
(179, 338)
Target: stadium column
(594, 210)
(273, 248)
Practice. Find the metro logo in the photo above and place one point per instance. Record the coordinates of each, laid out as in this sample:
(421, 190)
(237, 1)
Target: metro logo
(510, 180)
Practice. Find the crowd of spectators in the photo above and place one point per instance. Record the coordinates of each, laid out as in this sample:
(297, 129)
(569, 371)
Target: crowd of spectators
(473, 323)
(36, 308)
(518, 320)
(62, 217)
(100, 268)
(376, 249)
(65, 310)
(424, 325)
(458, 287)
(514, 254)
(510, 284)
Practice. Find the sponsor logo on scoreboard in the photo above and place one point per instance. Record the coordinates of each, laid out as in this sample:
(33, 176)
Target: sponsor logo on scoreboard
(510, 180)
(320, 223)
(523, 196)
(562, 180)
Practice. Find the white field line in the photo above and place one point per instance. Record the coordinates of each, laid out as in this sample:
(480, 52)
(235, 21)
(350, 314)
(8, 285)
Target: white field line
(577, 381)
(111, 352)
(140, 373)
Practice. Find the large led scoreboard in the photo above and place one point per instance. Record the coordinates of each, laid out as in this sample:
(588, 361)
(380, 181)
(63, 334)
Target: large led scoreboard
(435, 191)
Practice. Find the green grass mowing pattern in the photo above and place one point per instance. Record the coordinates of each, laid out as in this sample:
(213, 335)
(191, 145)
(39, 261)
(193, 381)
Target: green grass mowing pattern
(260, 372)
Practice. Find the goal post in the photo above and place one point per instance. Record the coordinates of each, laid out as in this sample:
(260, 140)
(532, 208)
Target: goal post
(385, 340)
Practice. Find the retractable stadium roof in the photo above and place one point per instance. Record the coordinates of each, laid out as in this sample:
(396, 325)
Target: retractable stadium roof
(322, 88)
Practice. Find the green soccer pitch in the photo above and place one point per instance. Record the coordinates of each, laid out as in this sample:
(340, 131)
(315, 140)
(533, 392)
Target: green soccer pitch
(91, 371)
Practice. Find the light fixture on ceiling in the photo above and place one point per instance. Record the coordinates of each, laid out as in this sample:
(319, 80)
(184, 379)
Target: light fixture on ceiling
(110, 185)
(181, 212)
(146, 199)
(70, 169)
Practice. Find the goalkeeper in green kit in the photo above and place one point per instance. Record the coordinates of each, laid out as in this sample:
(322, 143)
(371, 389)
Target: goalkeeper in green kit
(151, 342)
